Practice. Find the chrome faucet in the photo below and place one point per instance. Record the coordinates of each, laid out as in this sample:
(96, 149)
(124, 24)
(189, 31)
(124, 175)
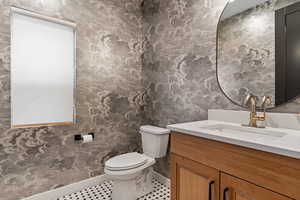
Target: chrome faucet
(251, 102)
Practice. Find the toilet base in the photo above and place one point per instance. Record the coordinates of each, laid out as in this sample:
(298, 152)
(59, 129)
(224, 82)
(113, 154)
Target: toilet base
(134, 186)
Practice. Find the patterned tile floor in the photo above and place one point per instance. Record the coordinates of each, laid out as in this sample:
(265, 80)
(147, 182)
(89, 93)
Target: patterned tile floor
(103, 192)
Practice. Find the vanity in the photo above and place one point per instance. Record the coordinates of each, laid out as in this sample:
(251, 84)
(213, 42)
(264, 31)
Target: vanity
(219, 160)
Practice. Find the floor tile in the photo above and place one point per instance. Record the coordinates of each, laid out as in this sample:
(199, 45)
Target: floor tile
(103, 192)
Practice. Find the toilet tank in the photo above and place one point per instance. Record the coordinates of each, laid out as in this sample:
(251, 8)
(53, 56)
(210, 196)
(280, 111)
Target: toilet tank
(155, 141)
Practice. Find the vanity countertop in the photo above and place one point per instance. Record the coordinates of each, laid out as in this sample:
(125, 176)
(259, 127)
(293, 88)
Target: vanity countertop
(274, 140)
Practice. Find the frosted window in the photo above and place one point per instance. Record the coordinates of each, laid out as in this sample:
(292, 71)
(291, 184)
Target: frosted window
(42, 71)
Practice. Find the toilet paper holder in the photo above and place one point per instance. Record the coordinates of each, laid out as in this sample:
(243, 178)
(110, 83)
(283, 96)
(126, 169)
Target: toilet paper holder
(80, 137)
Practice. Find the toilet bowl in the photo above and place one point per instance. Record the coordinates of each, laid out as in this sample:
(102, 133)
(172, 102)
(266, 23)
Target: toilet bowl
(132, 172)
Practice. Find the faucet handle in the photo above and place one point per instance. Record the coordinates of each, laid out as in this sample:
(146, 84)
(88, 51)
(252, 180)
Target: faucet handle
(248, 99)
(266, 100)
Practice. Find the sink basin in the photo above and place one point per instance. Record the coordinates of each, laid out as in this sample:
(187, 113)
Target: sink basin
(225, 128)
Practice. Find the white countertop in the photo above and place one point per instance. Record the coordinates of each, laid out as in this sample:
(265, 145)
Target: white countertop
(287, 145)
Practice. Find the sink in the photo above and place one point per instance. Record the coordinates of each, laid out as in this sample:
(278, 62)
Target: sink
(225, 128)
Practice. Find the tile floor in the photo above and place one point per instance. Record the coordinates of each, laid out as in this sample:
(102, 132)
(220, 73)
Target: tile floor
(103, 192)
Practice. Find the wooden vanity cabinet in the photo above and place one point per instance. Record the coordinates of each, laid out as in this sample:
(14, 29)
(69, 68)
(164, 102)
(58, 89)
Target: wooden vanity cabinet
(237, 189)
(203, 169)
(193, 181)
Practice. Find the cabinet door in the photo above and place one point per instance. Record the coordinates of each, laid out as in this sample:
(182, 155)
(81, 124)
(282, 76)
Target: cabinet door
(193, 181)
(237, 189)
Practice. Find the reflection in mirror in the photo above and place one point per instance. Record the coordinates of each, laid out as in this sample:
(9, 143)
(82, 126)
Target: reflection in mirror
(42, 70)
(250, 51)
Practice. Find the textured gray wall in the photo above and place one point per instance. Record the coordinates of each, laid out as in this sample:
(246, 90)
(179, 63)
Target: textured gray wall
(110, 98)
(179, 59)
(179, 62)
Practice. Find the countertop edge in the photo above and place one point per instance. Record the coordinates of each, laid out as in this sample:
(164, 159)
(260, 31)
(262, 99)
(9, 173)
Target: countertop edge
(251, 145)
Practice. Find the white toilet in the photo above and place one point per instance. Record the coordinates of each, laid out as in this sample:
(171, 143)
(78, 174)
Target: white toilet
(132, 172)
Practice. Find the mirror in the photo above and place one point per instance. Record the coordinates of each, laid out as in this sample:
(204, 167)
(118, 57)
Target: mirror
(42, 70)
(258, 50)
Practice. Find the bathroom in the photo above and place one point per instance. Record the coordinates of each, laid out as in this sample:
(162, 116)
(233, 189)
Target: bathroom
(140, 62)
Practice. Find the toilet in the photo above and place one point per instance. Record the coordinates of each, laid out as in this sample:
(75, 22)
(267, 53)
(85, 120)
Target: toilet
(132, 173)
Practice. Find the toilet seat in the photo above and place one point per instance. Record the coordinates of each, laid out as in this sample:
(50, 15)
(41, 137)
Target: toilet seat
(126, 162)
(129, 172)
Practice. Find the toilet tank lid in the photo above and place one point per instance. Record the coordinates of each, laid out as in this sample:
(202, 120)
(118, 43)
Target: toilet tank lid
(154, 130)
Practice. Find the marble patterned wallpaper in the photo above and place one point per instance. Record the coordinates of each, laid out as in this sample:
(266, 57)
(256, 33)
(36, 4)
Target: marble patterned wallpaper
(179, 62)
(179, 59)
(109, 98)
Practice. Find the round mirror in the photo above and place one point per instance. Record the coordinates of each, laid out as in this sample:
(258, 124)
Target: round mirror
(258, 50)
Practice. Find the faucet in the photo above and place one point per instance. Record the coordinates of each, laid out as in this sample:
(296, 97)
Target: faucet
(251, 102)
